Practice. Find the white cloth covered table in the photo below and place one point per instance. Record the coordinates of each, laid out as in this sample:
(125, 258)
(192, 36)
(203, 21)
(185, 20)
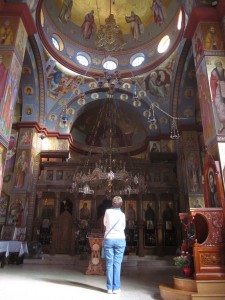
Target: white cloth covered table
(4, 246)
(13, 246)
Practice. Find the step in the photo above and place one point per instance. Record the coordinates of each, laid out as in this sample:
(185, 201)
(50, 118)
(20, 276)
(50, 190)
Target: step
(208, 296)
(207, 286)
(185, 284)
(170, 293)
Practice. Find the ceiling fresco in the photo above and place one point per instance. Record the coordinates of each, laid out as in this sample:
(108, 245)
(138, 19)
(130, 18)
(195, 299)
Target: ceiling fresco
(75, 92)
(155, 24)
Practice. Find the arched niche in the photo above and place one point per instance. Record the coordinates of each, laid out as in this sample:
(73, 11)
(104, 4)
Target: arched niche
(201, 228)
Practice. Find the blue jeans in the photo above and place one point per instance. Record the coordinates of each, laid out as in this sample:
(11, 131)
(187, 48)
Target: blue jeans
(114, 250)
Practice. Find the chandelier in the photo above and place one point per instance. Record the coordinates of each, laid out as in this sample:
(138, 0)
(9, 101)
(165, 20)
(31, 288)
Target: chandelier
(110, 36)
(105, 169)
(108, 175)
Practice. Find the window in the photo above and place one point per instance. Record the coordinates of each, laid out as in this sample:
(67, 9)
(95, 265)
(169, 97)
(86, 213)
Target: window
(137, 59)
(83, 59)
(164, 44)
(57, 42)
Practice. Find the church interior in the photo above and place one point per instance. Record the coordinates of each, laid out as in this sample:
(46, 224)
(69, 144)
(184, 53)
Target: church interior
(101, 98)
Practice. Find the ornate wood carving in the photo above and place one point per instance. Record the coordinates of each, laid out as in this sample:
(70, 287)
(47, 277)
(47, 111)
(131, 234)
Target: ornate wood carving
(215, 222)
(95, 264)
(209, 247)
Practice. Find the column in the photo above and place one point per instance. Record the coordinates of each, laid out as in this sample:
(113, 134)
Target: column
(206, 29)
(16, 24)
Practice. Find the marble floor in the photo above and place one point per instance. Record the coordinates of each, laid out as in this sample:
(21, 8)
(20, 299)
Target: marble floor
(65, 279)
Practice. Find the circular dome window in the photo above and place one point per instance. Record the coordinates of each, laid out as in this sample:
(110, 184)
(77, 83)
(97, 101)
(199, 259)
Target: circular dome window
(57, 42)
(83, 58)
(137, 59)
(110, 63)
(163, 44)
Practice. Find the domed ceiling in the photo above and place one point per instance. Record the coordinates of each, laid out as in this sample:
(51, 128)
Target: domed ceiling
(63, 24)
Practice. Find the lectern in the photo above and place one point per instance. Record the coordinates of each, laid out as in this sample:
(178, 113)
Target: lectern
(95, 266)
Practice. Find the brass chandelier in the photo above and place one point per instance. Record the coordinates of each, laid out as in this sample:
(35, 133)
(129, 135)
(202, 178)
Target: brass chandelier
(110, 36)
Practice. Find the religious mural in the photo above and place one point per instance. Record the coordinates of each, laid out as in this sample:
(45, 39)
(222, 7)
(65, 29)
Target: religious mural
(7, 232)
(28, 90)
(154, 146)
(216, 76)
(167, 146)
(158, 81)
(196, 201)
(19, 234)
(25, 138)
(18, 210)
(197, 44)
(58, 82)
(131, 213)
(212, 36)
(10, 161)
(7, 30)
(212, 188)
(159, 12)
(149, 217)
(193, 167)
(136, 26)
(190, 140)
(149, 209)
(85, 207)
(167, 213)
(65, 12)
(7, 107)
(5, 60)
(22, 169)
(29, 109)
(205, 103)
(21, 39)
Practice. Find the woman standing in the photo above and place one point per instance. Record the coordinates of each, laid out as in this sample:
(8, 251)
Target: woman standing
(114, 244)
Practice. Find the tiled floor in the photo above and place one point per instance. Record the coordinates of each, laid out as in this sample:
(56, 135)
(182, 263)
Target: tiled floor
(67, 280)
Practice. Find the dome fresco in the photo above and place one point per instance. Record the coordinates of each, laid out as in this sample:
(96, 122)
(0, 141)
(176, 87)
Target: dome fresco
(154, 24)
